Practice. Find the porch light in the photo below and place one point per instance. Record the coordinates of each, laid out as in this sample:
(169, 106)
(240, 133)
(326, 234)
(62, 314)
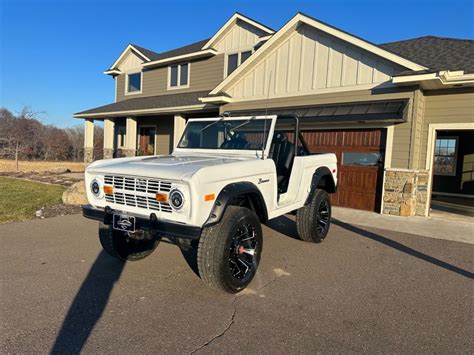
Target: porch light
(161, 197)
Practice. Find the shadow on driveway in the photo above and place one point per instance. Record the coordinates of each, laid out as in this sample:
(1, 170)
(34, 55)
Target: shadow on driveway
(286, 226)
(403, 248)
(88, 305)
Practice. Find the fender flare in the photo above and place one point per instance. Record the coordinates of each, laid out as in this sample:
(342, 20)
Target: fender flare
(320, 174)
(229, 194)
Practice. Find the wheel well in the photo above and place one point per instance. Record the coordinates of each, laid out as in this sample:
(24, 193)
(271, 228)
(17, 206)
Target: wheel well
(326, 183)
(252, 201)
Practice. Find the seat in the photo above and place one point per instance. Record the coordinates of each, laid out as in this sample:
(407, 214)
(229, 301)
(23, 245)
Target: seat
(238, 141)
(282, 152)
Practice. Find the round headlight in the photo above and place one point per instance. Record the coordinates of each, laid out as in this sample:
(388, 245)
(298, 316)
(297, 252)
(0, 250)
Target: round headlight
(95, 187)
(176, 199)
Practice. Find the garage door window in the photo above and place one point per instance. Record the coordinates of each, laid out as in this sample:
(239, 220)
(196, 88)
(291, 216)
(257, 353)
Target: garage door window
(361, 159)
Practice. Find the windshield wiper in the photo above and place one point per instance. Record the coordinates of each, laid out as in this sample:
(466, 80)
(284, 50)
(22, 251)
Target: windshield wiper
(212, 124)
(244, 123)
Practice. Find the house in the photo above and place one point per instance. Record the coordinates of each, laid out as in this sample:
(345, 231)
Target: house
(398, 115)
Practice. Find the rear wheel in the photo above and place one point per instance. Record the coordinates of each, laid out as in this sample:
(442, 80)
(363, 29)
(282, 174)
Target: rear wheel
(127, 246)
(229, 251)
(314, 219)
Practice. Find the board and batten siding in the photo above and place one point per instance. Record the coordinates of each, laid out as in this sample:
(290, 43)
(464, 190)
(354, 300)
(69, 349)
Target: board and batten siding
(452, 107)
(204, 74)
(310, 61)
(241, 36)
(131, 62)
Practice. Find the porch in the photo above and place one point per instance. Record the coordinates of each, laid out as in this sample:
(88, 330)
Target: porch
(137, 135)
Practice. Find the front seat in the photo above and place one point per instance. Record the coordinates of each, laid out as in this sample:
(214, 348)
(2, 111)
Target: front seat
(282, 152)
(237, 141)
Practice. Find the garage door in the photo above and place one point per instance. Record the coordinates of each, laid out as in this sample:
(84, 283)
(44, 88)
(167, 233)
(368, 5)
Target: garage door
(360, 156)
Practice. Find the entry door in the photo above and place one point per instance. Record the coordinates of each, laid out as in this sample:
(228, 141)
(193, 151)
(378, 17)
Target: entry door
(146, 140)
(360, 155)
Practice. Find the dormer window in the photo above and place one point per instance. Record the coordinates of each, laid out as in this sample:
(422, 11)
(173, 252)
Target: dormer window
(134, 83)
(178, 75)
(236, 59)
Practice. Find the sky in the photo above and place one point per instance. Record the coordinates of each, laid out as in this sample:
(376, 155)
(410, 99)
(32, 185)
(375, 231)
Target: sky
(53, 53)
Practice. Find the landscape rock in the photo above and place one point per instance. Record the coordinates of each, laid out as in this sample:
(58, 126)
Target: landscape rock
(58, 170)
(75, 194)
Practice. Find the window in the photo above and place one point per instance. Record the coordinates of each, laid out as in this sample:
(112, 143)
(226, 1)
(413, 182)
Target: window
(179, 75)
(134, 83)
(361, 159)
(445, 156)
(234, 60)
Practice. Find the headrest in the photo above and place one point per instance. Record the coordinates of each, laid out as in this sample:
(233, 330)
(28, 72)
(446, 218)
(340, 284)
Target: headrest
(280, 137)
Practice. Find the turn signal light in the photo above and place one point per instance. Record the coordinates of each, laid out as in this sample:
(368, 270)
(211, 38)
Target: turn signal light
(209, 197)
(109, 190)
(160, 197)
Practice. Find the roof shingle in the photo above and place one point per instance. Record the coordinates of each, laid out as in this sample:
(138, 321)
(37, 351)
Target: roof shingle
(436, 53)
(150, 102)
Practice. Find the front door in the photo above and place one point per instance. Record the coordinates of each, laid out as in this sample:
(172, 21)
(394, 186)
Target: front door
(146, 140)
(360, 155)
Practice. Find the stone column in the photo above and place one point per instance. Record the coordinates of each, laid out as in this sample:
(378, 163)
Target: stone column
(109, 131)
(178, 129)
(88, 141)
(405, 192)
(131, 137)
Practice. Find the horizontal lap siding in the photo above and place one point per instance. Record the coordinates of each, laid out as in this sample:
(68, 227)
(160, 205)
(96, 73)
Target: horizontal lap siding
(204, 75)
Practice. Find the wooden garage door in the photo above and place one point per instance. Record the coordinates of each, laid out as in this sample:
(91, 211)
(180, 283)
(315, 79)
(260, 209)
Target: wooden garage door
(360, 156)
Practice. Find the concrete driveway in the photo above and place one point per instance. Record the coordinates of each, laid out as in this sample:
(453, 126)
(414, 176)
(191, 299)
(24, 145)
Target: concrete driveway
(362, 290)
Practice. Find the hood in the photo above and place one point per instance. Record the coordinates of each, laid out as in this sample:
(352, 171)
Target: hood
(172, 167)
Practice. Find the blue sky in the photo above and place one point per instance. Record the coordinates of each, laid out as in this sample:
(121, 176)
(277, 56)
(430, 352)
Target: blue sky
(53, 52)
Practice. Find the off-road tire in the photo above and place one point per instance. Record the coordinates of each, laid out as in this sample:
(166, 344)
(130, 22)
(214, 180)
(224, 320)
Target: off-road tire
(115, 244)
(216, 246)
(310, 218)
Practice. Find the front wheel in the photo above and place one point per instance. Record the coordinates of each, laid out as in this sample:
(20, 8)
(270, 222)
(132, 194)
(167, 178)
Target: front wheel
(229, 251)
(313, 220)
(127, 246)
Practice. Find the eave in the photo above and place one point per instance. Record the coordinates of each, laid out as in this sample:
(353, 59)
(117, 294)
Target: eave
(436, 80)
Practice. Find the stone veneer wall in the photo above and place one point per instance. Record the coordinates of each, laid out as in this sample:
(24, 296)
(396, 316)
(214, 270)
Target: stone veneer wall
(88, 155)
(405, 192)
(108, 153)
(129, 152)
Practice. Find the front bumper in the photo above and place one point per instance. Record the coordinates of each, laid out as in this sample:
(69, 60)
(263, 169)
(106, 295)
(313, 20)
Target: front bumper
(162, 228)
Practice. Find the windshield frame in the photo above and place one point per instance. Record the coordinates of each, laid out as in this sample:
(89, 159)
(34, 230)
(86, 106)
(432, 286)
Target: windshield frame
(240, 152)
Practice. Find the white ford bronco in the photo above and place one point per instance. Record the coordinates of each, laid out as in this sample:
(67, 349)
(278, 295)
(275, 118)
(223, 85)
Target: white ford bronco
(226, 176)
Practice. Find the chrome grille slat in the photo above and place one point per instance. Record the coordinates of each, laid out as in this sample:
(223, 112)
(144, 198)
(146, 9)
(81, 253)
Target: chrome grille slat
(134, 192)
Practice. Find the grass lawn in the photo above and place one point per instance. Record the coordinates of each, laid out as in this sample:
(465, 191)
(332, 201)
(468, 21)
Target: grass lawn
(20, 199)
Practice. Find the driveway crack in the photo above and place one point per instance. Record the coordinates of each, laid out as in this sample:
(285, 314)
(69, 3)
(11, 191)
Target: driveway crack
(224, 331)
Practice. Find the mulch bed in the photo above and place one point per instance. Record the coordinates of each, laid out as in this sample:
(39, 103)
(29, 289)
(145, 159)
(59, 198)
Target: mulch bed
(59, 210)
(48, 178)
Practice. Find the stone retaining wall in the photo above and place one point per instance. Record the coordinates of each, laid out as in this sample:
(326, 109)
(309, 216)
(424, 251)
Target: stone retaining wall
(405, 192)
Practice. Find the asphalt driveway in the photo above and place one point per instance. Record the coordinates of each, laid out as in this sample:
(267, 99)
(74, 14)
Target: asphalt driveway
(362, 290)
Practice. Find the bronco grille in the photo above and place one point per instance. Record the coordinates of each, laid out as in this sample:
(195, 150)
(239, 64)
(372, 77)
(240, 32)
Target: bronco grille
(137, 192)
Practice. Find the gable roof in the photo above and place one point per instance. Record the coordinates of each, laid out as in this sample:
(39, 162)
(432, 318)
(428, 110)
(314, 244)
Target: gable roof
(189, 48)
(301, 18)
(149, 53)
(142, 52)
(231, 21)
(437, 53)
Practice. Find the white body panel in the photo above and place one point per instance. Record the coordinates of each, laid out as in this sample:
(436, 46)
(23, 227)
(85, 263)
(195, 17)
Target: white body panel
(197, 173)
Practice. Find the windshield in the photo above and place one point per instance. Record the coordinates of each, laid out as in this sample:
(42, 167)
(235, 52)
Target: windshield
(245, 134)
